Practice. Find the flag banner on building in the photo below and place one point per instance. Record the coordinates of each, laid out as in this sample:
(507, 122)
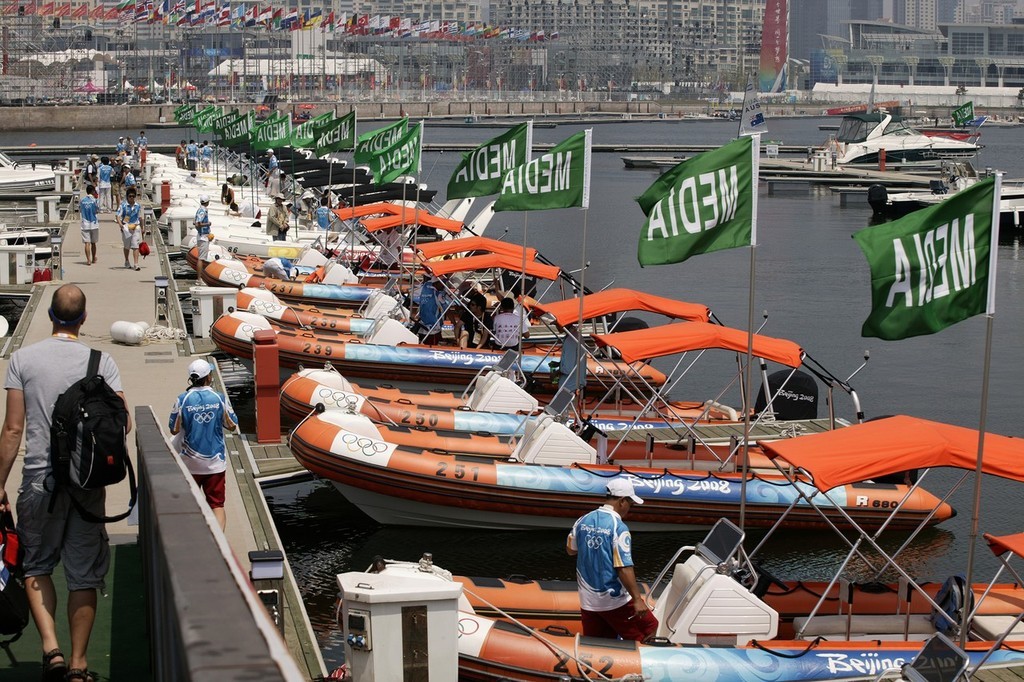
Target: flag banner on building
(203, 120)
(375, 141)
(481, 171)
(337, 135)
(401, 158)
(932, 268)
(274, 132)
(303, 135)
(706, 203)
(238, 131)
(963, 114)
(559, 178)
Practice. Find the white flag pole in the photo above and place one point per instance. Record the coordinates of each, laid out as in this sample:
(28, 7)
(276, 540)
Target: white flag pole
(990, 312)
(581, 372)
(522, 279)
(755, 161)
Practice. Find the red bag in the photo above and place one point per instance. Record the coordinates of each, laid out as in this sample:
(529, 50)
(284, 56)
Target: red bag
(42, 275)
(9, 545)
(143, 249)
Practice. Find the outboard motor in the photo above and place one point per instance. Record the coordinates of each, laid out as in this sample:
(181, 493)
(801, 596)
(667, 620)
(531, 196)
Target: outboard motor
(797, 400)
(878, 198)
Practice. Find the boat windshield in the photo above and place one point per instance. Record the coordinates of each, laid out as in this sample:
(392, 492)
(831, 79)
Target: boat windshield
(854, 130)
(898, 128)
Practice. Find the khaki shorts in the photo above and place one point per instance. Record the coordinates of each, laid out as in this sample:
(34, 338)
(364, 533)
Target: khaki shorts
(90, 234)
(130, 239)
(63, 536)
(203, 245)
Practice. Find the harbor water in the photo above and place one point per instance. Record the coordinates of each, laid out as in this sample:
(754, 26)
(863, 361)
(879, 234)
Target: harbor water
(811, 280)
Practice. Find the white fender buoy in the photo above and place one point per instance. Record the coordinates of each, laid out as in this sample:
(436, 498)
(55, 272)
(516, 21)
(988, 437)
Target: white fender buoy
(129, 333)
(145, 325)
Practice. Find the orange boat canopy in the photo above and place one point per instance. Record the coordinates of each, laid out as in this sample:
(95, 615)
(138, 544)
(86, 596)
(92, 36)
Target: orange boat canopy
(620, 301)
(669, 339)
(412, 217)
(1000, 544)
(446, 247)
(378, 208)
(894, 444)
(492, 260)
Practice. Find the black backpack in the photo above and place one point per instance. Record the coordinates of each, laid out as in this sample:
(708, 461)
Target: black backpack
(88, 448)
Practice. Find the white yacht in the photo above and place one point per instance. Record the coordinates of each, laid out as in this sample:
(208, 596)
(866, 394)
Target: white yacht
(15, 179)
(862, 137)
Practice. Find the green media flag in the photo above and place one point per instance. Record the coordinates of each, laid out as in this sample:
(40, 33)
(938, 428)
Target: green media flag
(559, 178)
(931, 269)
(304, 135)
(276, 131)
(401, 158)
(337, 135)
(375, 141)
(706, 203)
(481, 171)
(963, 114)
(238, 132)
(203, 120)
(220, 123)
(185, 114)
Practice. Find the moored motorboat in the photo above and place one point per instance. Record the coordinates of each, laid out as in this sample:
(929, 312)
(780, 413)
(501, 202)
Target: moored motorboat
(863, 138)
(553, 477)
(393, 352)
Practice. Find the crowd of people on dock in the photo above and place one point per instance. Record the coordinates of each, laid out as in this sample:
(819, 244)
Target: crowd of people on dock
(109, 184)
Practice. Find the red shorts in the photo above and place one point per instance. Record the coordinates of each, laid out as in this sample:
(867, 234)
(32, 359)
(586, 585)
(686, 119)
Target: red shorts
(621, 622)
(212, 486)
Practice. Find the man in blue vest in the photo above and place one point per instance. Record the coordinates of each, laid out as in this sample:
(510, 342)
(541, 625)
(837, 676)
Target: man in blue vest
(202, 224)
(611, 604)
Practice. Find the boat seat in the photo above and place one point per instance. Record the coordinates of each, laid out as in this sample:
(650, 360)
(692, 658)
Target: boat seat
(992, 627)
(702, 606)
(389, 332)
(862, 627)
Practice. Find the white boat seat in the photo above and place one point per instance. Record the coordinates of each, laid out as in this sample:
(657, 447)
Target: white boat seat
(992, 627)
(715, 609)
(886, 627)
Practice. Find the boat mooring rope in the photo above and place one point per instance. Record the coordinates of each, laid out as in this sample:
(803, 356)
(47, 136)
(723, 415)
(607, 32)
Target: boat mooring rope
(159, 334)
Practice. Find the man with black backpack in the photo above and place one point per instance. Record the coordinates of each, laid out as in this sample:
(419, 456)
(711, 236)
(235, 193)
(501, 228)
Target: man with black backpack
(58, 511)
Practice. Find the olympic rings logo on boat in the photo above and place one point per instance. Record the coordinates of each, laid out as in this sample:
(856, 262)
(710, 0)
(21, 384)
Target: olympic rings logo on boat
(367, 446)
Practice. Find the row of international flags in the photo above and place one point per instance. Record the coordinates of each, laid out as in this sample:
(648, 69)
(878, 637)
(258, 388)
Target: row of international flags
(197, 13)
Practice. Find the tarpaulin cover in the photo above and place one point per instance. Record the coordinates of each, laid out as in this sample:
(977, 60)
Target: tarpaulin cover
(447, 247)
(669, 339)
(894, 444)
(492, 260)
(620, 301)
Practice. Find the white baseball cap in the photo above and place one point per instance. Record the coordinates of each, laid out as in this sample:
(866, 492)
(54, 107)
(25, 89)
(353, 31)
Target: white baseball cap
(200, 369)
(623, 487)
(204, 198)
(270, 151)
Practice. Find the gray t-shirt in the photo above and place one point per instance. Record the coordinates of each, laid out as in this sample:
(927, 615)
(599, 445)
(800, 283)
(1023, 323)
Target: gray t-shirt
(43, 371)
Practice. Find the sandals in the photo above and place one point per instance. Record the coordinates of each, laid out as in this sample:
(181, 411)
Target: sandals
(54, 671)
(79, 675)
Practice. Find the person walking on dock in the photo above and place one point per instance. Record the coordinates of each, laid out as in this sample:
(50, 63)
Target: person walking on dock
(202, 225)
(90, 224)
(273, 174)
(105, 173)
(142, 142)
(610, 601)
(201, 415)
(129, 219)
(49, 526)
